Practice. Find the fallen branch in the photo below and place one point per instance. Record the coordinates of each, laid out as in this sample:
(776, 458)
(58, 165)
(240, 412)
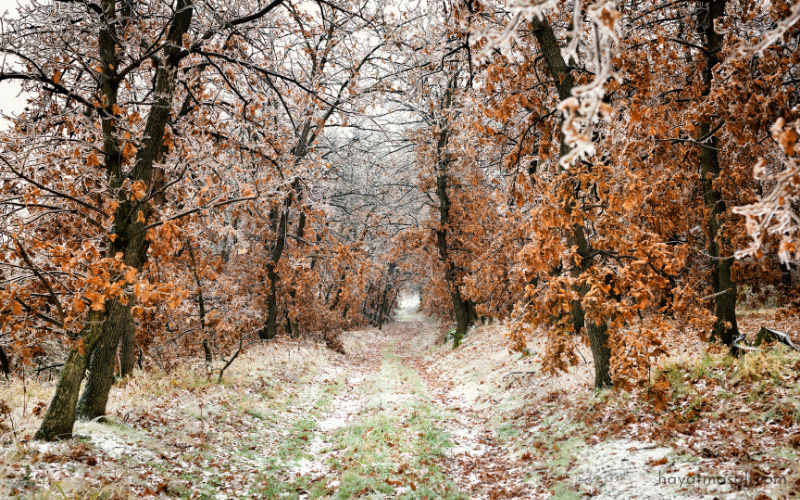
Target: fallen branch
(230, 361)
(57, 365)
(514, 375)
(763, 335)
(781, 337)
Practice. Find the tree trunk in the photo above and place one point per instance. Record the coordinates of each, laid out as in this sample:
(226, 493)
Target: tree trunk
(443, 160)
(387, 311)
(287, 328)
(384, 303)
(127, 348)
(382, 307)
(473, 313)
(4, 364)
(338, 292)
(379, 319)
(786, 276)
(301, 226)
(601, 354)
(92, 403)
(128, 227)
(365, 302)
(270, 329)
(719, 247)
(459, 305)
(60, 416)
(598, 334)
(201, 305)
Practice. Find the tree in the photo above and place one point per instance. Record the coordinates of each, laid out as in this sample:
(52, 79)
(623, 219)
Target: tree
(639, 246)
(105, 58)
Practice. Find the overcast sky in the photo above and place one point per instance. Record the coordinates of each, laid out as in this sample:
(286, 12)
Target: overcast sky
(9, 91)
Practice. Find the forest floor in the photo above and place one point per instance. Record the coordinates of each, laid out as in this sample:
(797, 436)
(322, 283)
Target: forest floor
(403, 416)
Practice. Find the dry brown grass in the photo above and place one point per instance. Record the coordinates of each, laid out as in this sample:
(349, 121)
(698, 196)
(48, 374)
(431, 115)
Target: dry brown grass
(275, 361)
(141, 399)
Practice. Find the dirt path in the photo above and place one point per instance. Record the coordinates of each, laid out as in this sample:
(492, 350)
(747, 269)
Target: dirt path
(291, 421)
(478, 463)
(396, 431)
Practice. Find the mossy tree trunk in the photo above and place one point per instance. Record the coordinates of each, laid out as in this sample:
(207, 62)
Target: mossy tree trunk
(93, 401)
(60, 416)
(103, 331)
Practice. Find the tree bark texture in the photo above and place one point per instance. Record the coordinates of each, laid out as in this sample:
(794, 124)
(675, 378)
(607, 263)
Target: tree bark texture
(60, 417)
(92, 403)
(719, 247)
(127, 348)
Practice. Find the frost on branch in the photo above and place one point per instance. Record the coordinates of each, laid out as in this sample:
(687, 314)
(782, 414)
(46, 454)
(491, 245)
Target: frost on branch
(777, 212)
(501, 40)
(773, 35)
(584, 109)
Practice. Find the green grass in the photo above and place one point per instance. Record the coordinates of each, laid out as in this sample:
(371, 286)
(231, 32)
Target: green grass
(393, 447)
(394, 444)
(371, 462)
(561, 492)
(294, 447)
(256, 413)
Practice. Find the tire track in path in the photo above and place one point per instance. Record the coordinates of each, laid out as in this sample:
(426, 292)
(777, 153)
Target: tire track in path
(478, 463)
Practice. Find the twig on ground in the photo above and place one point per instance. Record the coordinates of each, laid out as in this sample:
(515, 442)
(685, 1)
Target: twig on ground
(230, 361)
(514, 375)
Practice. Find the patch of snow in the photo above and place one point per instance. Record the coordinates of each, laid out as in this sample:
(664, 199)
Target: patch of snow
(466, 442)
(114, 444)
(355, 380)
(623, 469)
(345, 409)
(303, 468)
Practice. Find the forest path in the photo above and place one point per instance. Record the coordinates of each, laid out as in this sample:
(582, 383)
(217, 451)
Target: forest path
(290, 421)
(413, 419)
(396, 431)
(478, 463)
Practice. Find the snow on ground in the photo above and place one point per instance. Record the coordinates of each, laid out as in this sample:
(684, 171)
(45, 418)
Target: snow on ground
(480, 389)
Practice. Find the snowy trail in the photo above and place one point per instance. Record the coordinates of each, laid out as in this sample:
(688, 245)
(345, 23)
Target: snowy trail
(478, 463)
(395, 431)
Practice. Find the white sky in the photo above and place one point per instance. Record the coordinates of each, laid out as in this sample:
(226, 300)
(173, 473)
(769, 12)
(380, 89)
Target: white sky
(10, 101)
